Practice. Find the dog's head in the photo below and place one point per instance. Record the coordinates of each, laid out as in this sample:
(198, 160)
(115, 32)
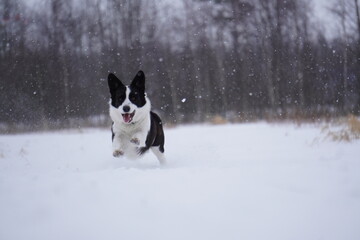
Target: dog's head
(128, 103)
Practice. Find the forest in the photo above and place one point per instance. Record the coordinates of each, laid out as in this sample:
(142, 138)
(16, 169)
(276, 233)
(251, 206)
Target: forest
(240, 60)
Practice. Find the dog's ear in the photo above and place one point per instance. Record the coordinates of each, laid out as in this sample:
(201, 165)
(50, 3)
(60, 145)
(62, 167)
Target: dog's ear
(139, 81)
(114, 82)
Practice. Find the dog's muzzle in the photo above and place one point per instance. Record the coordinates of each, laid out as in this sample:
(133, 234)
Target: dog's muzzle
(128, 117)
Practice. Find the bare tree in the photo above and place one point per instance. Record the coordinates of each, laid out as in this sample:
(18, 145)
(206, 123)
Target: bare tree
(233, 58)
(356, 2)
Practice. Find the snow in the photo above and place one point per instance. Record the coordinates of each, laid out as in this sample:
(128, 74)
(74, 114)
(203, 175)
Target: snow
(246, 181)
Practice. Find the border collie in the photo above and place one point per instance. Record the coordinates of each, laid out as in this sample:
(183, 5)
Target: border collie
(135, 128)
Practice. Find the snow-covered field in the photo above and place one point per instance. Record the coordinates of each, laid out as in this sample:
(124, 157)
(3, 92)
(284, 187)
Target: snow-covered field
(248, 181)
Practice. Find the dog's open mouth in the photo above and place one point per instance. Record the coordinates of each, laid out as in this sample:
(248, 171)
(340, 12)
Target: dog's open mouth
(128, 117)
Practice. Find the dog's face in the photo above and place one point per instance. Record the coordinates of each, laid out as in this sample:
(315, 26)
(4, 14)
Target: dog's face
(127, 102)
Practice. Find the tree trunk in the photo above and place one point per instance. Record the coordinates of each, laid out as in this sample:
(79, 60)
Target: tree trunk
(345, 58)
(357, 107)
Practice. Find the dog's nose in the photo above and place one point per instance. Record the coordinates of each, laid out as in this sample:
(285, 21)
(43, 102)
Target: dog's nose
(126, 108)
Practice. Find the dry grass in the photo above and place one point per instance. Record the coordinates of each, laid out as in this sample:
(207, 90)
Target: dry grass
(218, 120)
(348, 129)
(354, 126)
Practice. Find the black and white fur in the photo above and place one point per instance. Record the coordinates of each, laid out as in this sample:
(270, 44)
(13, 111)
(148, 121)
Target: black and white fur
(135, 127)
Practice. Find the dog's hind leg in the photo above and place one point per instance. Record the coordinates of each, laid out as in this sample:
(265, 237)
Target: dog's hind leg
(159, 154)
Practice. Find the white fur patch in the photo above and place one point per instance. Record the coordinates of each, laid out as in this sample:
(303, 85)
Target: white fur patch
(137, 128)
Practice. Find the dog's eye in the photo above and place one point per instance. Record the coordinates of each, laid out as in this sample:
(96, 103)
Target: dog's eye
(133, 96)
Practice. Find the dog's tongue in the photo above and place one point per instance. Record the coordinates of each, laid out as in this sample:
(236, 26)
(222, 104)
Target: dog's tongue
(127, 117)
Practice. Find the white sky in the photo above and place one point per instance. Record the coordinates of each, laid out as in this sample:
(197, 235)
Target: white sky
(325, 18)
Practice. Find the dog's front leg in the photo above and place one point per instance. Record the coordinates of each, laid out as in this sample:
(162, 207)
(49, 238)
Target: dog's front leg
(139, 139)
(117, 146)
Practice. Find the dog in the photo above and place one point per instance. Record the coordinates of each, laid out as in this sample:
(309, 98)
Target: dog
(135, 128)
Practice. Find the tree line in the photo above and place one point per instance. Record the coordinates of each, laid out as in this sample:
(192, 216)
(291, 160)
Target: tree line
(241, 60)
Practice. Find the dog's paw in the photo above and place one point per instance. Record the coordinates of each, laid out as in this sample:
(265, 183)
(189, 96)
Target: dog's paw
(135, 141)
(118, 153)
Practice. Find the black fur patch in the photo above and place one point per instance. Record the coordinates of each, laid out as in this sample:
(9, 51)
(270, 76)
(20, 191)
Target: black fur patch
(112, 132)
(117, 90)
(155, 136)
(137, 90)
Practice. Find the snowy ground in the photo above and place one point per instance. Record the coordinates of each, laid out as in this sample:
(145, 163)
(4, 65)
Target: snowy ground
(250, 181)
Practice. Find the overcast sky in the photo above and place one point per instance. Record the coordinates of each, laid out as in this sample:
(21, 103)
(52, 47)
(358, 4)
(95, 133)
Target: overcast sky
(322, 14)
